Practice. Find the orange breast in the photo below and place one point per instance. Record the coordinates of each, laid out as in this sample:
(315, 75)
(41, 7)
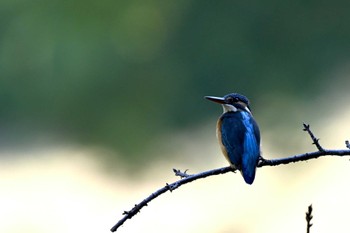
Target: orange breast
(223, 149)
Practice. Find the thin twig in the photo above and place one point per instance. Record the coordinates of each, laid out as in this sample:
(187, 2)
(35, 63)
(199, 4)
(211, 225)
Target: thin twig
(302, 157)
(314, 139)
(308, 219)
(180, 173)
(186, 178)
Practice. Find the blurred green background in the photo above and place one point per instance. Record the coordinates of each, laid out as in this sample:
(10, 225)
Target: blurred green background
(118, 74)
(127, 79)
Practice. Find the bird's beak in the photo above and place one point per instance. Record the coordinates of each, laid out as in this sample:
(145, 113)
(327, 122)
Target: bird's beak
(219, 100)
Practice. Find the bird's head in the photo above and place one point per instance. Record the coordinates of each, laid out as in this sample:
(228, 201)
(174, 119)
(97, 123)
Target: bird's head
(232, 102)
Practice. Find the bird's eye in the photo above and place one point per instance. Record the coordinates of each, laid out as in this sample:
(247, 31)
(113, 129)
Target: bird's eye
(230, 99)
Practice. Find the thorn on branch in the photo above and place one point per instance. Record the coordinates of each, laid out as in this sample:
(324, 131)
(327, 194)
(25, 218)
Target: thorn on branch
(135, 210)
(172, 186)
(180, 173)
(132, 212)
(309, 218)
(347, 143)
(313, 138)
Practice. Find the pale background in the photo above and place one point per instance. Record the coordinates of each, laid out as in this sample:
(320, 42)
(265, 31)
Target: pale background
(100, 100)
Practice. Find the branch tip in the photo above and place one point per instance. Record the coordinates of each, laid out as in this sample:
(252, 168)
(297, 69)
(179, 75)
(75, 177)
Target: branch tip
(306, 127)
(180, 173)
(309, 218)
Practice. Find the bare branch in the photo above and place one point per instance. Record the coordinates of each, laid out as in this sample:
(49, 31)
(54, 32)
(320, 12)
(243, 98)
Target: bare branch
(187, 178)
(314, 139)
(168, 187)
(302, 157)
(308, 218)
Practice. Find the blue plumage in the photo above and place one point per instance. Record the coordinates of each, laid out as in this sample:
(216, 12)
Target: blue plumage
(241, 139)
(239, 135)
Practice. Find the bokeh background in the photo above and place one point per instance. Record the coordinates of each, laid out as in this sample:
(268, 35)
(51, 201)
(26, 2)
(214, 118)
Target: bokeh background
(99, 100)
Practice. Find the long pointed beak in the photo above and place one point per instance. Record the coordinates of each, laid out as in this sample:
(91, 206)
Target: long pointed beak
(219, 100)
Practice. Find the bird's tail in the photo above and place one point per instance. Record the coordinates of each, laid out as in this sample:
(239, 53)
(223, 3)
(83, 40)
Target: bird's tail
(249, 168)
(248, 175)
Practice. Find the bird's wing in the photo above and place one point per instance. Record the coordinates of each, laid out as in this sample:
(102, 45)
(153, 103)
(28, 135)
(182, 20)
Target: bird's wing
(251, 149)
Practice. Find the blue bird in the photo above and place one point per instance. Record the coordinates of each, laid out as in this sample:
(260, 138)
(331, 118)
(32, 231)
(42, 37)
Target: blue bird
(238, 134)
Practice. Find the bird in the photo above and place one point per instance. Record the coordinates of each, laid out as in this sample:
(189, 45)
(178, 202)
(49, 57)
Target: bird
(238, 134)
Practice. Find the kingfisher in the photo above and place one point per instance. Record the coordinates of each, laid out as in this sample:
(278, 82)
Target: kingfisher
(238, 134)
